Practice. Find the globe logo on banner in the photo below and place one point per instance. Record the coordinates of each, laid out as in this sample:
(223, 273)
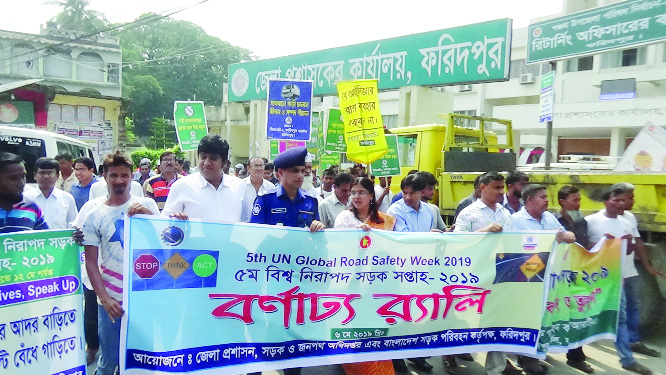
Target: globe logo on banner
(189, 111)
(172, 236)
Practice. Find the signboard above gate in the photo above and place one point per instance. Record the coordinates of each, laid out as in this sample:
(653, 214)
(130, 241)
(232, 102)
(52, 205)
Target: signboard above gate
(621, 25)
(467, 54)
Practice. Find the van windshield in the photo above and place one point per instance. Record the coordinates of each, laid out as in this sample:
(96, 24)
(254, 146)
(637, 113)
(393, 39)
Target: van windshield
(29, 149)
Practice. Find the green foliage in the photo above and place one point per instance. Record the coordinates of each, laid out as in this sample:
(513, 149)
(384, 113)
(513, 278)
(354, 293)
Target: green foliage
(163, 134)
(154, 155)
(147, 99)
(182, 61)
(129, 130)
(75, 16)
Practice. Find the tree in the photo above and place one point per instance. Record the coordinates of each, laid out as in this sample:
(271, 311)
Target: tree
(75, 16)
(184, 61)
(147, 101)
(163, 134)
(129, 130)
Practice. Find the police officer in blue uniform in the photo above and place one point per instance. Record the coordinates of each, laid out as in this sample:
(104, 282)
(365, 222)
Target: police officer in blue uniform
(287, 205)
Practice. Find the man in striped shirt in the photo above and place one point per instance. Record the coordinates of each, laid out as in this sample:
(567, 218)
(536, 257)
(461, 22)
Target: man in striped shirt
(158, 187)
(16, 214)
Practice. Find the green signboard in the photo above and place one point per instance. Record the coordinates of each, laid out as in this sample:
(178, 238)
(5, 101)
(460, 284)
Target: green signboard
(328, 160)
(388, 165)
(335, 132)
(41, 309)
(190, 120)
(275, 149)
(472, 53)
(620, 25)
(317, 127)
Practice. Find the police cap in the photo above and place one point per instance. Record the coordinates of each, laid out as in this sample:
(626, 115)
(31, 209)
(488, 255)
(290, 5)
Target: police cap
(292, 157)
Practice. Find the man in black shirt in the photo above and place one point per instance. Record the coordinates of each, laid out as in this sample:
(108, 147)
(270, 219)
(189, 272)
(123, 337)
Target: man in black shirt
(573, 220)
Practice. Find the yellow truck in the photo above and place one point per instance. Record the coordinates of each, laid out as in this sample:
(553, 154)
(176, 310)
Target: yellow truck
(456, 154)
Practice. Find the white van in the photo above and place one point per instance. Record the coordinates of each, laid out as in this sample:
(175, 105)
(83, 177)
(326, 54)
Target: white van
(31, 145)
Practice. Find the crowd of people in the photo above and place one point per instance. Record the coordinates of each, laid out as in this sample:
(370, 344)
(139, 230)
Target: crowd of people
(286, 193)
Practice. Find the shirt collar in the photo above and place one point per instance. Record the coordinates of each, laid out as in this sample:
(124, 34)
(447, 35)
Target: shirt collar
(78, 183)
(480, 205)
(505, 203)
(53, 193)
(409, 208)
(226, 180)
(280, 192)
(523, 212)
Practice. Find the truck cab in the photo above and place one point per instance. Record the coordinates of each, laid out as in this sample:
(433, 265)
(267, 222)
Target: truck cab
(450, 148)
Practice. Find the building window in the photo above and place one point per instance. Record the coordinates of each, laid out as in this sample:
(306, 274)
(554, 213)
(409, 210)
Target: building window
(58, 65)
(83, 113)
(90, 67)
(465, 123)
(580, 64)
(518, 68)
(390, 121)
(630, 57)
(112, 73)
(627, 57)
(3, 60)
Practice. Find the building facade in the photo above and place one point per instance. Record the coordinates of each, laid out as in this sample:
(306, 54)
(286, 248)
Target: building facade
(73, 81)
(583, 122)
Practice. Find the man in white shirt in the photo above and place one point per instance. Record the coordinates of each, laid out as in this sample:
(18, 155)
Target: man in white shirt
(326, 188)
(632, 284)
(209, 194)
(488, 215)
(103, 241)
(58, 206)
(533, 216)
(611, 223)
(254, 185)
(331, 207)
(383, 194)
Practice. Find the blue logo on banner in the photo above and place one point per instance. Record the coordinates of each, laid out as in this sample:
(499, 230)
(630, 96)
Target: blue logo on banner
(172, 235)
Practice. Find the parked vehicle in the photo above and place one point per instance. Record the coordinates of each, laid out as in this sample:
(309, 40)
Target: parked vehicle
(32, 144)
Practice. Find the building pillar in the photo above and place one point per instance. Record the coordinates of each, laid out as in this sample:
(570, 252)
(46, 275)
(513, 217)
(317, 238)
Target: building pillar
(617, 142)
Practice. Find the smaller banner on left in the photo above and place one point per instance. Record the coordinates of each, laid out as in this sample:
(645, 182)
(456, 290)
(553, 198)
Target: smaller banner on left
(190, 120)
(41, 309)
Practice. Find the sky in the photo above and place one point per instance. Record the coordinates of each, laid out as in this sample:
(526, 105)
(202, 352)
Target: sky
(280, 28)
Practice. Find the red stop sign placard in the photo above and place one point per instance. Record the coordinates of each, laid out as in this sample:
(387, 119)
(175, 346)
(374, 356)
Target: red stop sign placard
(146, 266)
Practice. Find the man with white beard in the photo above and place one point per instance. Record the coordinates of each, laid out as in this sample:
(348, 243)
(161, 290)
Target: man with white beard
(308, 183)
